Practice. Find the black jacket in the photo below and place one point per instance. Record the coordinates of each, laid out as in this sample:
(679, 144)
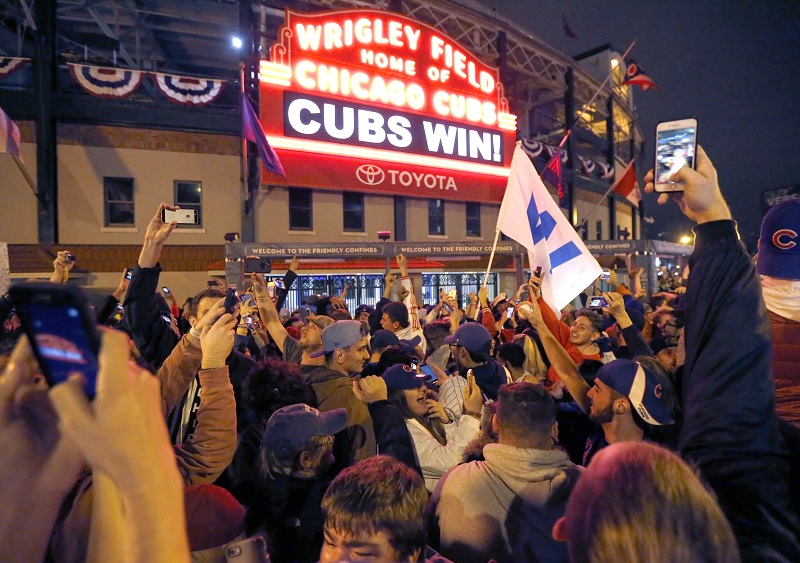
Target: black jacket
(153, 335)
(730, 430)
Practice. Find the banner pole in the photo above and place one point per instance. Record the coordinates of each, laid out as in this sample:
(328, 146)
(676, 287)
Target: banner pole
(491, 256)
(25, 174)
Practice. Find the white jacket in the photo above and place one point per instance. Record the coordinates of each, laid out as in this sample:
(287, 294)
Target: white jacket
(435, 459)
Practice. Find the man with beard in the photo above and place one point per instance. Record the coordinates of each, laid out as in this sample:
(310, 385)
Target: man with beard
(626, 396)
(294, 351)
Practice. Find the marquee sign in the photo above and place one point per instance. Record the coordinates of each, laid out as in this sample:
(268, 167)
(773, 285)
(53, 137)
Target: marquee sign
(373, 101)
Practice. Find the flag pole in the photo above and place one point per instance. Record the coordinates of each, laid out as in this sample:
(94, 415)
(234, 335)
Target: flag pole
(25, 174)
(491, 256)
(245, 164)
(605, 195)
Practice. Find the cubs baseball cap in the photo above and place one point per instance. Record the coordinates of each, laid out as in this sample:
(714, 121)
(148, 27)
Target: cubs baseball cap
(401, 376)
(662, 343)
(472, 336)
(383, 338)
(640, 386)
(779, 243)
(290, 428)
(340, 334)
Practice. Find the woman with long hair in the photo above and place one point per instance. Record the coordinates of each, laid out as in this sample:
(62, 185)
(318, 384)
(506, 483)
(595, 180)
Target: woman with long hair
(438, 441)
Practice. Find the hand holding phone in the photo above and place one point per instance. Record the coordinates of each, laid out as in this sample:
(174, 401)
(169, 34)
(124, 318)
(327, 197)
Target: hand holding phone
(231, 300)
(596, 302)
(180, 216)
(676, 145)
(61, 330)
(509, 312)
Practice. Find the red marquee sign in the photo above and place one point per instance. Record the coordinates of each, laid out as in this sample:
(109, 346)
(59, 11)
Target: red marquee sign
(373, 101)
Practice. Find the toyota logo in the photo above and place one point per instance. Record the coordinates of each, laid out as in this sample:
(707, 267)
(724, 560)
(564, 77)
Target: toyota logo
(370, 174)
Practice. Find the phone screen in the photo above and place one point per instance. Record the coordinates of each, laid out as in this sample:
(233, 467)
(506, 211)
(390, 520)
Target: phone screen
(61, 343)
(674, 150)
(510, 312)
(128, 274)
(426, 369)
(165, 289)
(596, 302)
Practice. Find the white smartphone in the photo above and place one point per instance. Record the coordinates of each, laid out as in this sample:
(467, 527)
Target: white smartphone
(180, 216)
(676, 145)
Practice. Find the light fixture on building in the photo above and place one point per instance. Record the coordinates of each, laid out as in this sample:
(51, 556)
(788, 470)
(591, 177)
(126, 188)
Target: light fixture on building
(232, 237)
(236, 42)
(384, 235)
(614, 63)
(686, 239)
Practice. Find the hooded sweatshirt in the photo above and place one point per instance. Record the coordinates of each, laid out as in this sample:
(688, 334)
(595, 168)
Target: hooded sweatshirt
(504, 508)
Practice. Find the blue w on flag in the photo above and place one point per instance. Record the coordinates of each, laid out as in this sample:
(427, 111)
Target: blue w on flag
(253, 132)
(530, 216)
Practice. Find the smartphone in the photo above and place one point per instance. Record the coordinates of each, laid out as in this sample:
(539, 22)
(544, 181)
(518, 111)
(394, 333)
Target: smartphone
(606, 275)
(129, 274)
(676, 145)
(213, 283)
(231, 299)
(271, 289)
(509, 312)
(70, 257)
(452, 294)
(61, 330)
(165, 290)
(426, 369)
(538, 271)
(447, 307)
(248, 320)
(596, 302)
(180, 216)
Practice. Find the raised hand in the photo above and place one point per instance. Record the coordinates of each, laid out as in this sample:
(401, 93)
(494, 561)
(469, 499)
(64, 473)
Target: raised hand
(370, 389)
(216, 341)
(701, 199)
(473, 401)
(154, 238)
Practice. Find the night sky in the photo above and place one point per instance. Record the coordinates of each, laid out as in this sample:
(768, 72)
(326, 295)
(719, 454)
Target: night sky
(732, 64)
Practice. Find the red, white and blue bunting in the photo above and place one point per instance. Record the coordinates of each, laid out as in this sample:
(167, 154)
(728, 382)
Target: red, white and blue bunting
(535, 149)
(189, 91)
(9, 65)
(106, 82)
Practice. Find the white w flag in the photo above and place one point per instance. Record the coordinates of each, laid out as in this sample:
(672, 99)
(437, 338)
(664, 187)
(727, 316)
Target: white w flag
(530, 216)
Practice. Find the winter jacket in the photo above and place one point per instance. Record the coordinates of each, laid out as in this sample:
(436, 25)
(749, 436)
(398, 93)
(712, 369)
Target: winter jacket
(730, 431)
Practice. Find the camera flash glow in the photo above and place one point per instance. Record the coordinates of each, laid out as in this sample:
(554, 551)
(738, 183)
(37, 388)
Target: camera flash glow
(236, 42)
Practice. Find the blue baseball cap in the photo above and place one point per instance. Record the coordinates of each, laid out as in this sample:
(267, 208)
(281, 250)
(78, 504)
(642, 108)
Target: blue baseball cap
(290, 428)
(472, 336)
(640, 386)
(401, 376)
(779, 243)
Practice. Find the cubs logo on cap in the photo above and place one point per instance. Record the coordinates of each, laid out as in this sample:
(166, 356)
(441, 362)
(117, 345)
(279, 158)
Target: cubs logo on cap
(779, 244)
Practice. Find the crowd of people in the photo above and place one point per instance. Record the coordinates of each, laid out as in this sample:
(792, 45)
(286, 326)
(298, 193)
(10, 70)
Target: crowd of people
(222, 430)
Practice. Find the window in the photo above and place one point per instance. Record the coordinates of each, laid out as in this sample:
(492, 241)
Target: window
(473, 219)
(353, 208)
(599, 229)
(436, 217)
(189, 195)
(301, 217)
(118, 199)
